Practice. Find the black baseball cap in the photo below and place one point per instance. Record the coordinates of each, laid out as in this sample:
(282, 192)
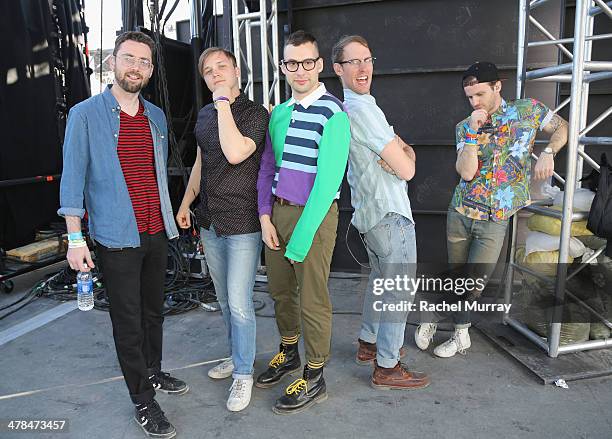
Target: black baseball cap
(483, 72)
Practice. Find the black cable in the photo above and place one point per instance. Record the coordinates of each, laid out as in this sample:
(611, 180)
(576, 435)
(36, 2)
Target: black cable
(162, 8)
(22, 298)
(182, 293)
(161, 86)
(28, 298)
(346, 242)
(31, 298)
(170, 12)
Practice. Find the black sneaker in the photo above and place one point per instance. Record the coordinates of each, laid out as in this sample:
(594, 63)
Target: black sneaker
(152, 420)
(164, 382)
(285, 362)
(302, 393)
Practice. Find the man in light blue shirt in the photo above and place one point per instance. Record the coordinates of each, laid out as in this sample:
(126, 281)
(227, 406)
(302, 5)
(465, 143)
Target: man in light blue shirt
(380, 163)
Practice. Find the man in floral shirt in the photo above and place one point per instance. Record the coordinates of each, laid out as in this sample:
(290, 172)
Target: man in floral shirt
(494, 146)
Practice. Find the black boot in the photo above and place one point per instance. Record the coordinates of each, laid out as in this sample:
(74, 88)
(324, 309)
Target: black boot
(302, 393)
(283, 363)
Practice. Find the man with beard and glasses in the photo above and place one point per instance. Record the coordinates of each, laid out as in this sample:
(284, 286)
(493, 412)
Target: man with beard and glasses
(115, 152)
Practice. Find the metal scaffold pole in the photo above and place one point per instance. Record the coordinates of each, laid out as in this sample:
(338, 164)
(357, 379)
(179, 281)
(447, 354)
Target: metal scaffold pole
(196, 48)
(580, 73)
(243, 22)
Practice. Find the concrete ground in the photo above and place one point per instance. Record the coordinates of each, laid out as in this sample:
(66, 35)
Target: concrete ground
(68, 369)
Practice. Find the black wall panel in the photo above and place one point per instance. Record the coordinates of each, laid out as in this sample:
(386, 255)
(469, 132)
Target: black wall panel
(422, 47)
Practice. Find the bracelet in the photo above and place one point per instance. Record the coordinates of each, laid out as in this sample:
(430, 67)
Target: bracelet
(76, 244)
(75, 236)
(222, 99)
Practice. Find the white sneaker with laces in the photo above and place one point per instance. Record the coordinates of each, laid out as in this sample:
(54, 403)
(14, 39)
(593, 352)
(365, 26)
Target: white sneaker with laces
(459, 342)
(424, 334)
(222, 370)
(240, 394)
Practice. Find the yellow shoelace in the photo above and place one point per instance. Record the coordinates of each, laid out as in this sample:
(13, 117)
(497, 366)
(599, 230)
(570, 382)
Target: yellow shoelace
(277, 360)
(297, 386)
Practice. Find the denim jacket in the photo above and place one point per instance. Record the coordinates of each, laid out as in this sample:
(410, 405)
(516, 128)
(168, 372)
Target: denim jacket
(92, 172)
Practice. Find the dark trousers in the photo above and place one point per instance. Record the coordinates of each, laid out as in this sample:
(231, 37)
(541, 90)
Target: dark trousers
(134, 281)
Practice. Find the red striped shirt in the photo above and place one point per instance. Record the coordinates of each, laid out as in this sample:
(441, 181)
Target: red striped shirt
(135, 151)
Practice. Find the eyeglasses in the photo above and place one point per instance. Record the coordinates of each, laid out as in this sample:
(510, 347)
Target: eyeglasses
(308, 64)
(131, 61)
(357, 62)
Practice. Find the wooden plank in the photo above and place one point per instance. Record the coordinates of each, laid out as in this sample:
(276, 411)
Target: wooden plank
(36, 251)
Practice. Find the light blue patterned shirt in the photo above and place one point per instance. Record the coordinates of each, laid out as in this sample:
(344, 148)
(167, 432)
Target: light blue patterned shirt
(374, 192)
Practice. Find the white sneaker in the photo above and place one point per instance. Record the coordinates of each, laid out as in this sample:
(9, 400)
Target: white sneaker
(459, 342)
(222, 370)
(424, 334)
(240, 394)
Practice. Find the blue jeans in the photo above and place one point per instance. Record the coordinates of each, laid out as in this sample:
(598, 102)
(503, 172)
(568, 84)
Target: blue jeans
(391, 246)
(476, 243)
(232, 261)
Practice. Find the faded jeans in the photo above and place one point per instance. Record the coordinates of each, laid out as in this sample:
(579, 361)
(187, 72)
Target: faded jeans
(233, 261)
(475, 244)
(391, 246)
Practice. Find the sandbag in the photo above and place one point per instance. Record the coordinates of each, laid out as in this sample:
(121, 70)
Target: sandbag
(542, 242)
(583, 198)
(552, 226)
(538, 300)
(570, 332)
(599, 331)
(544, 263)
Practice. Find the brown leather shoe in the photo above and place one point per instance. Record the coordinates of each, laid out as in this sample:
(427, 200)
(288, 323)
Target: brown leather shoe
(398, 377)
(366, 354)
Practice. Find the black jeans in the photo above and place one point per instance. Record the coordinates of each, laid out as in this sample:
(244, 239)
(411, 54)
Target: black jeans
(134, 281)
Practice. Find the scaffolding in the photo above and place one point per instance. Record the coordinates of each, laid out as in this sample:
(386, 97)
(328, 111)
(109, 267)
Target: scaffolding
(580, 73)
(243, 22)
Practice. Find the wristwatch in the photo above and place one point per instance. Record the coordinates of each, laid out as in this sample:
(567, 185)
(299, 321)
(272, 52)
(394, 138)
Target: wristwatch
(549, 150)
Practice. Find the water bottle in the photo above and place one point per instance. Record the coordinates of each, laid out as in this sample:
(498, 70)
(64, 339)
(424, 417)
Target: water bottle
(85, 298)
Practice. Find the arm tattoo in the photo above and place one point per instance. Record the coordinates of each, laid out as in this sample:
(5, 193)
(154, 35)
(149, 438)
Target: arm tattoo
(558, 130)
(556, 122)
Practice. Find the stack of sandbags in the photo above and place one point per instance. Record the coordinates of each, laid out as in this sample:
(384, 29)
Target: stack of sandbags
(536, 299)
(541, 255)
(542, 243)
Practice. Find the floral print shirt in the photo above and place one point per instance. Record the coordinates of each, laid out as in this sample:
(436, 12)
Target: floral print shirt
(501, 185)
